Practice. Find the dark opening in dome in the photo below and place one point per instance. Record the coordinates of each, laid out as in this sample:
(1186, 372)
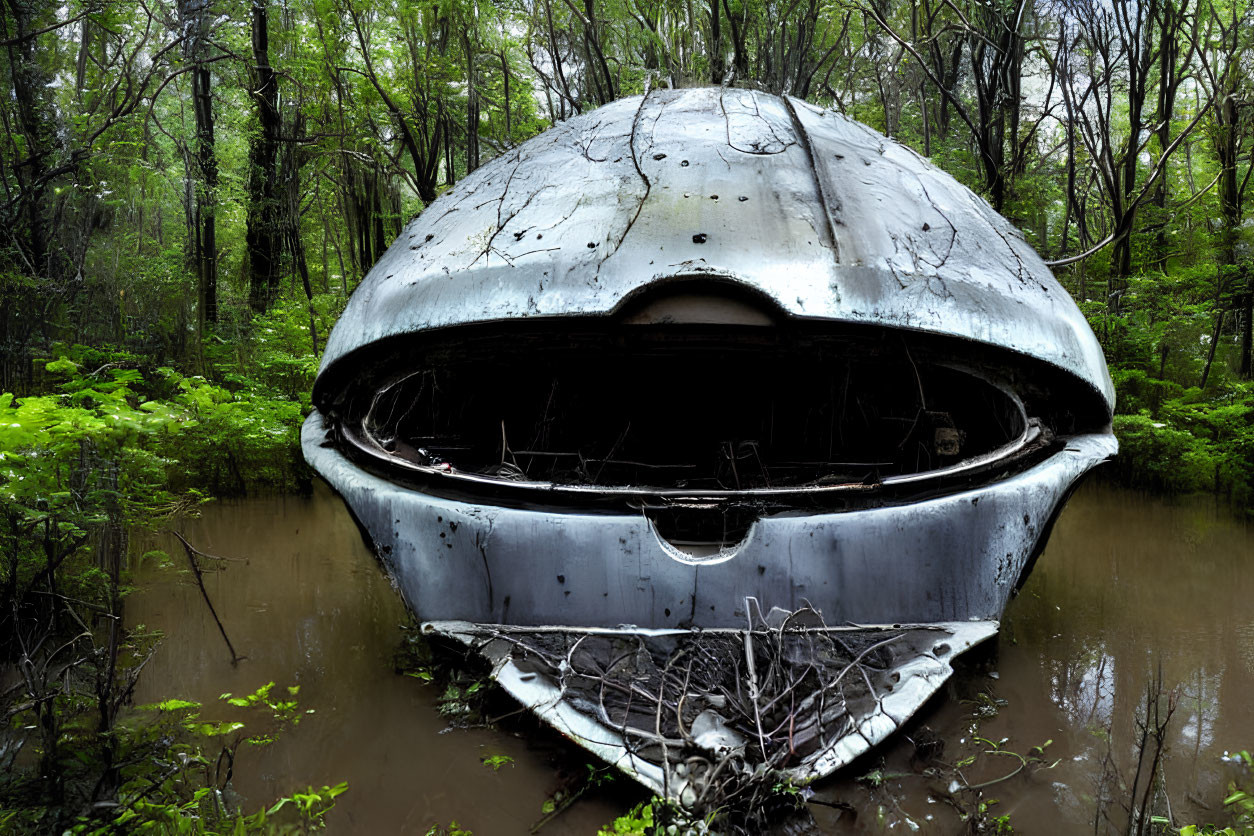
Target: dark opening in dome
(687, 407)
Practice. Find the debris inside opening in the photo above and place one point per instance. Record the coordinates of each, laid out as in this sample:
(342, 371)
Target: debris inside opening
(686, 409)
(710, 718)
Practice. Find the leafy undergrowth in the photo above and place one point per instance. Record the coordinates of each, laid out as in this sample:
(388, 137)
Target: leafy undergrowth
(1174, 440)
(173, 765)
(1239, 805)
(1184, 417)
(113, 444)
(636, 822)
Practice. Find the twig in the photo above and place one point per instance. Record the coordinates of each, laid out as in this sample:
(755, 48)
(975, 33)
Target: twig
(192, 551)
(753, 687)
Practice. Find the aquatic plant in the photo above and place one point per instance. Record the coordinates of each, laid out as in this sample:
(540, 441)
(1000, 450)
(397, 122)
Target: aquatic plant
(1239, 805)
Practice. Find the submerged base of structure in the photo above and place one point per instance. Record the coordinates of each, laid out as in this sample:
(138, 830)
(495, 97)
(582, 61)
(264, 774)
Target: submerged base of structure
(703, 716)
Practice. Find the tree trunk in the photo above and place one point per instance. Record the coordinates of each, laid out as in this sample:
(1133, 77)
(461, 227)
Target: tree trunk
(380, 237)
(445, 129)
(472, 118)
(716, 43)
(30, 83)
(1247, 324)
(740, 55)
(505, 80)
(1228, 152)
(262, 238)
(196, 18)
(206, 195)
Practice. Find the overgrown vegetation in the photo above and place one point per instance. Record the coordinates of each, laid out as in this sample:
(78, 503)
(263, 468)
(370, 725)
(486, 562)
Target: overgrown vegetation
(174, 770)
(1184, 416)
(1239, 805)
(115, 445)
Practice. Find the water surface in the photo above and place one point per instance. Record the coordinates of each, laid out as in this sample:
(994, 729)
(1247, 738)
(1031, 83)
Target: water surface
(1128, 586)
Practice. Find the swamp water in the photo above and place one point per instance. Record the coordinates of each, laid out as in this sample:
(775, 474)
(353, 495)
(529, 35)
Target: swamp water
(1127, 586)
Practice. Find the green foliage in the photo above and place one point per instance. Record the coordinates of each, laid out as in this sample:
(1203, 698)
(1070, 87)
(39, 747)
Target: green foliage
(637, 822)
(167, 751)
(1239, 804)
(1176, 436)
(999, 825)
(197, 816)
(451, 830)
(1183, 440)
(116, 443)
(463, 693)
(495, 762)
(162, 430)
(282, 710)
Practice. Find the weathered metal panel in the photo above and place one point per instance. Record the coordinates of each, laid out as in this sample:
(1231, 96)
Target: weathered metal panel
(904, 686)
(949, 558)
(815, 211)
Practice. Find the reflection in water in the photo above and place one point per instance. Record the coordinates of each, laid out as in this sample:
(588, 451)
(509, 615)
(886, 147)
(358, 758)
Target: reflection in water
(1129, 586)
(1088, 698)
(1126, 585)
(312, 607)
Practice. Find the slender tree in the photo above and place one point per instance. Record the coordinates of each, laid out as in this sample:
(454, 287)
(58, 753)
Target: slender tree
(262, 239)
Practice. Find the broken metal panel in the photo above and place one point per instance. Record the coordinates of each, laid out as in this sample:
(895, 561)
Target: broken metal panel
(700, 717)
(814, 211)
(952, 557)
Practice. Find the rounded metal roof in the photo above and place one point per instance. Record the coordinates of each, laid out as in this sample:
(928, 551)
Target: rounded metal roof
(820, 213)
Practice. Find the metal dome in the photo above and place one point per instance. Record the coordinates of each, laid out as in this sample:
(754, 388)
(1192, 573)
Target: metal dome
(817, 212)
(694, 367)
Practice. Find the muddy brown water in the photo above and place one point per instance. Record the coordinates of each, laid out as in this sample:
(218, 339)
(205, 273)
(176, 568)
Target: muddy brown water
(1127, 586)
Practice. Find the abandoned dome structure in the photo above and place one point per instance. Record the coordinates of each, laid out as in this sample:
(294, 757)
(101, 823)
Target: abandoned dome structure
(703, 398)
